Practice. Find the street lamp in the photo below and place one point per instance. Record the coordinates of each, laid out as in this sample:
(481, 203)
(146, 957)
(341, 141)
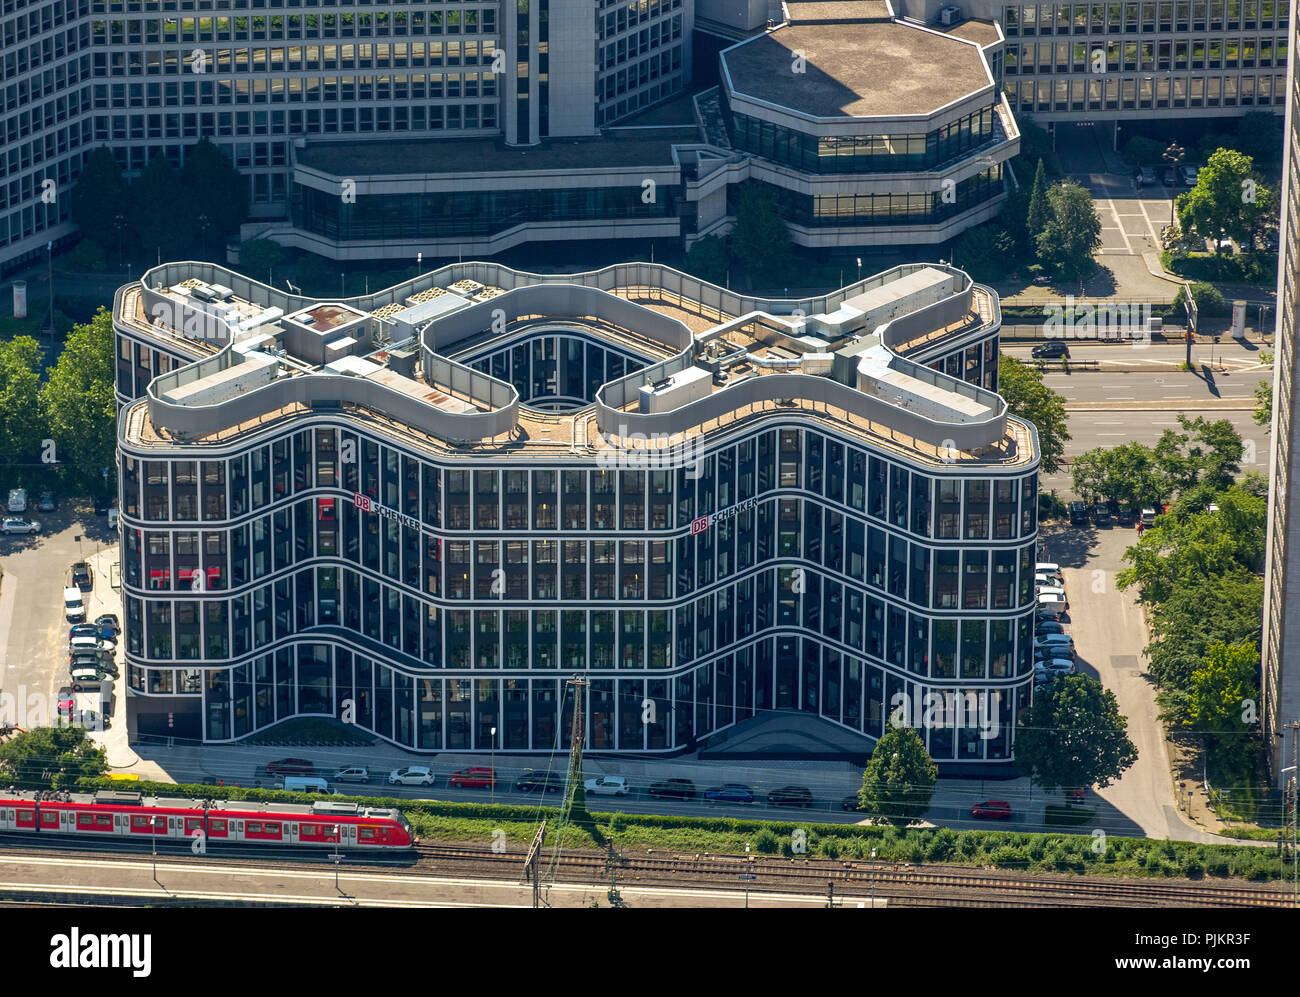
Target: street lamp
(1174, 154)
(342, 289)
(493, 798)
(336, 858)
(120, 222)
(859, 269)
(155, 822)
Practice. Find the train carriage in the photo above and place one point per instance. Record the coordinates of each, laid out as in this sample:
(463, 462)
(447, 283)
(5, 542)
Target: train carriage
(323, 824)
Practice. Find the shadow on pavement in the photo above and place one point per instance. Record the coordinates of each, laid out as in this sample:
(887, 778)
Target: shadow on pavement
(1069, 546)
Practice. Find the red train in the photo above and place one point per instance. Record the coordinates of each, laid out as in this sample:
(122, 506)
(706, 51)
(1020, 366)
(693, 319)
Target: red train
(323, 824)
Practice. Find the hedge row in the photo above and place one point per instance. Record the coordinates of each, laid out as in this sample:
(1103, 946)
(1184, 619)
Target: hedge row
(1021, 850)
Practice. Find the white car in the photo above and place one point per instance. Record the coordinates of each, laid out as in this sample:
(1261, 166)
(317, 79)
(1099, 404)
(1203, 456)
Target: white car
(91, 644)
(607, 785)
(412, 775)
(1046, 592)
(354, 773)
(16, 525)
(1047, 579)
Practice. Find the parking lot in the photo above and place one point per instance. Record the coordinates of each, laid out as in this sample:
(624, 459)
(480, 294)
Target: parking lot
(33, 628)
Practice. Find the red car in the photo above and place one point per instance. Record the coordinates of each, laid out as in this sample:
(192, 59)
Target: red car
(290, 766)
(475, 777)
(992, 809)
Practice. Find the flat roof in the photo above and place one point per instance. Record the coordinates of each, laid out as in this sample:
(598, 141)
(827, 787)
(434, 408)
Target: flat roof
(836, 11)
(879, 69)
(418, 157)
(980, 32)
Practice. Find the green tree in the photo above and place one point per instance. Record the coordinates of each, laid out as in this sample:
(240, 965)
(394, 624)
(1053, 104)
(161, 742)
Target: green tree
(1229, 199)
(1176, 551)
(22, 419)
(1263, 413)
(1136, 476)
(1027, 397)
(100, 198)
(1222, 702)
(708, 259)
(81, 407)
(51, 757)
(1141, 151)
(1072, 231)
(1040, 208)
(1225, 607)
(898, 783)
(986, 252)
(258, 258)
(759, 239)
(216, 191)
(1259, 136)
(161, 210)
(1091, 474)
(1073, 736)
(1204, 453)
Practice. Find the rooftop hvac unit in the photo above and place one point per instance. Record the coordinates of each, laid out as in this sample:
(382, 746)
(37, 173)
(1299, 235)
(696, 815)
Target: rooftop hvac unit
(203, 293)
(949, 16)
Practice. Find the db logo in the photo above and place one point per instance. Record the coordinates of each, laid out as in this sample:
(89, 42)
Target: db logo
(699, 525)
(363, 502)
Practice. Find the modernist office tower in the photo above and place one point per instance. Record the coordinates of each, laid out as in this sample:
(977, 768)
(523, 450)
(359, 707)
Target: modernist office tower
(1280, 655)
(467, 128)
(433, 505)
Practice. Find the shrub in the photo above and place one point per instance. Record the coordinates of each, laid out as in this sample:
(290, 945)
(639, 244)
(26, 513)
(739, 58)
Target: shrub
(830, 847)
(765, 842)
(618, 823)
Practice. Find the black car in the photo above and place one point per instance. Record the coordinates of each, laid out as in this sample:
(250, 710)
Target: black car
(1078, 514)
(1055, 348)
(90, 659)
(102, 502)
(540, 782)
(1170, 176)
(1046, 627)
(673, 789)
(81, 576)
(1101, 514)
(851, 803)
(790, 796)
(108, 620)
(46, 503)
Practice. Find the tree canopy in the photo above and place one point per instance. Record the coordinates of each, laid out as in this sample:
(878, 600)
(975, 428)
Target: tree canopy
(898, 783)
(759, 239)
(1072, 231)
(1073, 736)
(1229, 199)
(1029, 398)
(80, 404)
(160, 209)
(22, 419)
(51, 757)
(216, 190)
(100, 198)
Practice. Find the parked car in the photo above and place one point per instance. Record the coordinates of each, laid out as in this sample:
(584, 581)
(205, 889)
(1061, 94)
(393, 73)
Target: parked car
(113, 517)
(1054, 640)
(673, 789)
(732, 792)
(353, 773)
(1122, 514)
(412, 775)
(108, 620)
(290, 766)
(607, 785)
(1078, 514)
(790, 796)
(1190, 175)
(84, 678)
(1055, 666)
(537, 781)
(81, 576)
(73, 608)
(1170, 176)
(474, 777)
(94, 632)
(86, 643)
(992, 810)
(1055, 348)
(46, 503)
(98, 662)
(1101, 514)
(1052, 653)
(18, 500)
(1149, 175)
(15, 524)
(66, 702)
(1046, 627)
(102, 503)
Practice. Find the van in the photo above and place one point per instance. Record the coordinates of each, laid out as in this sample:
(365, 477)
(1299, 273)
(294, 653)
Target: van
(73, 607)
(18, 500)
(304, 784)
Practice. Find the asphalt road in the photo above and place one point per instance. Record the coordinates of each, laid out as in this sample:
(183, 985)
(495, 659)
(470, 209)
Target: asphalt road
(33, 628)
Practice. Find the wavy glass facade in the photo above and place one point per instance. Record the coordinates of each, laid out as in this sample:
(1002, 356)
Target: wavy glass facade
(322, 559)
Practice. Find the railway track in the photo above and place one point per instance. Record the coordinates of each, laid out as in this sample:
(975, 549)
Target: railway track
(901, 885)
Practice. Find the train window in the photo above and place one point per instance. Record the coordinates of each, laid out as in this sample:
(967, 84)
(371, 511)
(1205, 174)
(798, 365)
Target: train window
(218, 826)
(193, 823)
(367, 834)
(272, 828)
(138, 821)
(309, 829)
(254, 827)
(85, 820)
